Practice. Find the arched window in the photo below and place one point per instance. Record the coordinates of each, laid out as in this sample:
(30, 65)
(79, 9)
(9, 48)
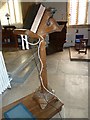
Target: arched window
(13, 8)
(78, 12)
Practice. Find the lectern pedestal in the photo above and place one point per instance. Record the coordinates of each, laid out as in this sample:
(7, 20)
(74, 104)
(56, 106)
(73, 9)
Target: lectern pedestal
(50, 110)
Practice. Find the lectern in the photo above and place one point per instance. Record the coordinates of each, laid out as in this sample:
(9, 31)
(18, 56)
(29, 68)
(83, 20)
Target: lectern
(43, 24)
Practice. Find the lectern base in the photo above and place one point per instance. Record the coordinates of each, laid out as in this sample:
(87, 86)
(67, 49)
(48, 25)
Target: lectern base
(43, 98)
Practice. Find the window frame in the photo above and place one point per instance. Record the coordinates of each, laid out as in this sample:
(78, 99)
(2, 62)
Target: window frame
(86, 18)
(15, 21)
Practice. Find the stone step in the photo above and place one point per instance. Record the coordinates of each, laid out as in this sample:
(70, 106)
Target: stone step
(25, 72)
(20, 64)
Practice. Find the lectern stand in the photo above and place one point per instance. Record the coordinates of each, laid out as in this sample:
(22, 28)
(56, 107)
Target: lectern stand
(40, 106)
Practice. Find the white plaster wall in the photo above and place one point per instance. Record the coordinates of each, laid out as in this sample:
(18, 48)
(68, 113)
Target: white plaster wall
(61, 7)
(71, 33)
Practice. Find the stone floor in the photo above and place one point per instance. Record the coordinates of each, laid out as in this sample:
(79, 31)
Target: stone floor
(68, 78)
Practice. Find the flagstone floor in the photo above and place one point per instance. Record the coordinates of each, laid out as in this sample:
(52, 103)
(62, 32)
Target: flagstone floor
(68, 78)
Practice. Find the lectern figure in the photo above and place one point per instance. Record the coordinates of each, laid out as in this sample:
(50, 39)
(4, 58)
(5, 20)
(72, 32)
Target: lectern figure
(43, 23)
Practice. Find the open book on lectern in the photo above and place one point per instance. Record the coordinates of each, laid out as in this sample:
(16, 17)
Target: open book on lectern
(33, 17)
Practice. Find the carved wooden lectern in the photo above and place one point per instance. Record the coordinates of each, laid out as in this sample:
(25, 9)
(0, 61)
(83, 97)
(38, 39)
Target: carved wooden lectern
(43, 103)
(43, 24)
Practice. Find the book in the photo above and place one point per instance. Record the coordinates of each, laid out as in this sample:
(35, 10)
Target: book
(33, 17)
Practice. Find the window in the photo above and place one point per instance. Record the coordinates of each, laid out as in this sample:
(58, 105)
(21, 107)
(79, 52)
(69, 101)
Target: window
(78, 12)
(13, 8)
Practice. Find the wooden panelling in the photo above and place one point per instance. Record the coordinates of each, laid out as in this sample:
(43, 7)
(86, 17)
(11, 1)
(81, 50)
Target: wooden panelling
(57, 39)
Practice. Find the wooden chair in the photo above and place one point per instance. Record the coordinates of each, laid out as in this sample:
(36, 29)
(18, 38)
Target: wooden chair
(83, 46)
(77, 41)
